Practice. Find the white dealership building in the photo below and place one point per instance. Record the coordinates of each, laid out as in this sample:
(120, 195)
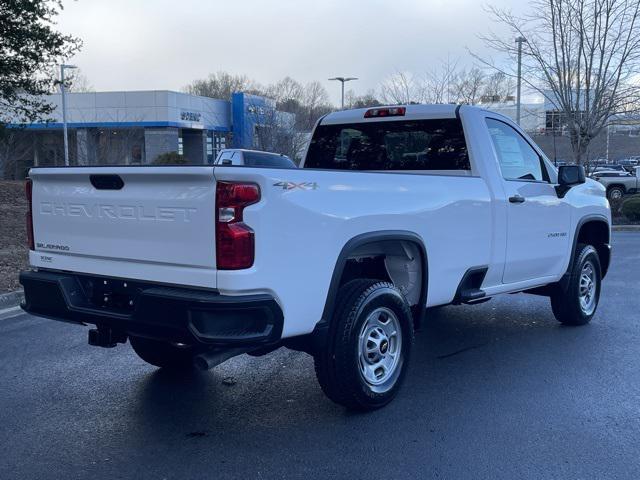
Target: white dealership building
(135, 127)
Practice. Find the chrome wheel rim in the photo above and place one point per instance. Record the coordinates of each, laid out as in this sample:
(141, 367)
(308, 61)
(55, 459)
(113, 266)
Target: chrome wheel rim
(616, 194)
(380, 347)
(587, 288)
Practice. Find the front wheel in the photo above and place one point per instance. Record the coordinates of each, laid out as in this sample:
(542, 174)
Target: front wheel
(365, 358)
(615, 193)
(577, 304)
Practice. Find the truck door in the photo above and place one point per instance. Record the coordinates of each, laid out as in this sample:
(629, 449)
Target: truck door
(537, 220)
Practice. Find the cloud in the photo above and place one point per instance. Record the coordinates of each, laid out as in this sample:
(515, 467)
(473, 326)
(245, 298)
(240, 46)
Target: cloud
(165, 45)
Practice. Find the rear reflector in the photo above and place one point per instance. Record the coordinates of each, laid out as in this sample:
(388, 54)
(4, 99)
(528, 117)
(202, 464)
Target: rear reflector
(235, 244)
(28, 190)
(385, 112)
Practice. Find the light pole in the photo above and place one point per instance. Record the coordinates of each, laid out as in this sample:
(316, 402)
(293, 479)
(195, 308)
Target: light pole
(63, 91)
(342, 80)
(608, 125)
(519, 41)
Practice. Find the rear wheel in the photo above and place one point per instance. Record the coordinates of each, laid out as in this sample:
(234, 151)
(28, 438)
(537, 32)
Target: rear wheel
(577, 304)
(365, 359)
(163, 354)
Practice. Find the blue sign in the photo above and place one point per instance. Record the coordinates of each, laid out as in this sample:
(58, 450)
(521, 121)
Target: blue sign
(247, 111)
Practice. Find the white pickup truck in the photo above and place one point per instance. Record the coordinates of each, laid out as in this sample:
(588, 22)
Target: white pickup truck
(393, 211)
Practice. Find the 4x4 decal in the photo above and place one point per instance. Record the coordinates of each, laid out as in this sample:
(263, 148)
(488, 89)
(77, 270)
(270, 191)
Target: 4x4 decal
(293, 185)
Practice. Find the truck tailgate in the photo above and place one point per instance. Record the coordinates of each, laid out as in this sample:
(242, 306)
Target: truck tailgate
(160, 221)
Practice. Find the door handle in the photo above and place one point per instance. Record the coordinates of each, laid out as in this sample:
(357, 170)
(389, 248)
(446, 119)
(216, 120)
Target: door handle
(516, 199)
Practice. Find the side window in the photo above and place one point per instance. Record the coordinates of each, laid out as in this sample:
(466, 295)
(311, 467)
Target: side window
(518, 160)
(260, 159)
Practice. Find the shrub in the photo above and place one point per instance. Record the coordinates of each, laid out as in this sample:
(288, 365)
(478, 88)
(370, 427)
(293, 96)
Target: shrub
(170, 158)
(631, 208)
(616, 206)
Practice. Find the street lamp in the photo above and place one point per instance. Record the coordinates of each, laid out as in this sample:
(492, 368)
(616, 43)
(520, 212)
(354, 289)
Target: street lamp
(519, 41)
(342, 80)
(63, 67)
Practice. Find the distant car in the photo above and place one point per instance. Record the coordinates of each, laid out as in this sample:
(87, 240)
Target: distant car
(253, 158)
(630, 163)
(619, 184)
(610, 173)
(608, 168)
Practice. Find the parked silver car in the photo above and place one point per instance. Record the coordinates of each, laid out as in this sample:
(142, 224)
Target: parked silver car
(253, 158)
(618, 183)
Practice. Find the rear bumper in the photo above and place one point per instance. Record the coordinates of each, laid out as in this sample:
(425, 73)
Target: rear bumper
(172, 314)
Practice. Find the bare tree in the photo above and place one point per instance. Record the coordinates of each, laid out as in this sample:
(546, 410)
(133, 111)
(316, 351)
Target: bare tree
(16, 152)
(285, 91)
(443, 83)
(400, 88)
(369, 99)
(349, 98)
(221, 85)
(315, 102)
(315, 95)
(467, 86)
(307, 102)
(79, 83)
(584, 55)
(275, 131)
(437, 86)
(499, 87)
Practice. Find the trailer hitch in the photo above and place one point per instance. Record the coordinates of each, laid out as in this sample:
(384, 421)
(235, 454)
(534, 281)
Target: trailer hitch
(106, 337)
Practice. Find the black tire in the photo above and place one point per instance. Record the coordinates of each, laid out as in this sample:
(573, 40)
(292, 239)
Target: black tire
(338, 364)
(615, 193)
(163, 354)
(566, 302)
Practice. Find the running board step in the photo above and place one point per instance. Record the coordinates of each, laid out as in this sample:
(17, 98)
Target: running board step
(472, 296)
(469, 290)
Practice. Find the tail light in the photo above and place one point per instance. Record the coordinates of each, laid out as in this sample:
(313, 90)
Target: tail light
(28, 190)
(385, 112)
(235, 246)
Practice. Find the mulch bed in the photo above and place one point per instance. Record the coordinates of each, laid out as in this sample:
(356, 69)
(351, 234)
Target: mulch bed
(13, 237)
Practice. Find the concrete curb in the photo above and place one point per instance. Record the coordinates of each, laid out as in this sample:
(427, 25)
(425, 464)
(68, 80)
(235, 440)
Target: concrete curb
(625, 228)
(11, 299)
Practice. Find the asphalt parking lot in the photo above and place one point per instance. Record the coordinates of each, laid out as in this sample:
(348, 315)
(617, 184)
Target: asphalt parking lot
(499, 390)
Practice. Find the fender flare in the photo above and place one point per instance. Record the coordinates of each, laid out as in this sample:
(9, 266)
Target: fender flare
(584, 220)
(372, 237)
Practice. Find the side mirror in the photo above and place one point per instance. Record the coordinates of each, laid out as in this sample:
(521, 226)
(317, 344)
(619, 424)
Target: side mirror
(569, 176)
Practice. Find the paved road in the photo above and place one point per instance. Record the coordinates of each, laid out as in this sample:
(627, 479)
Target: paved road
(499, 390)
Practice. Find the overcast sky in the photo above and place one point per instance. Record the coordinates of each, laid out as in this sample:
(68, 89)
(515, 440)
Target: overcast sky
(161, 44)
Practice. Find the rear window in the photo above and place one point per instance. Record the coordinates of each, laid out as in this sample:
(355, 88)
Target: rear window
(259, 159)
(390, 145)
